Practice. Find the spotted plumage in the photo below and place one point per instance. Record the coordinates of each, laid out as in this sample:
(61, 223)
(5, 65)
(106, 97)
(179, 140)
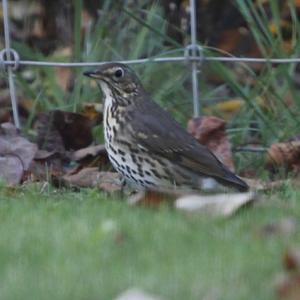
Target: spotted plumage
(146, 145)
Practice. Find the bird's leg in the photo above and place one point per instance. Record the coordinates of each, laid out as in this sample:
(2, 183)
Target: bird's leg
(123, 185)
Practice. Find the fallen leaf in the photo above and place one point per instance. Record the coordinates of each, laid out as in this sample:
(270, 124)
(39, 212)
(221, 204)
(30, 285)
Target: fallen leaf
(150, 198)
(48, 136)
(5, 115)
(87, 177)
(11, 169)
(110, 182)
(9, 129)
(210, 131)
(288, 287)
(92, 177)
(291, 259)
(288, 284)
(236, 41)
(136, 294)
(18, 146)
(16, 154)
(47, 165)
(284, 155)
(89, 151)
(92, 156)
(93, 111)
(43, 154)
(227, 108)
(60, 130)
(219, 205)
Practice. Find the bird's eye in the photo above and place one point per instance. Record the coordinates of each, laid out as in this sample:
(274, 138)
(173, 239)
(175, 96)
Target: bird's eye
(119, 73)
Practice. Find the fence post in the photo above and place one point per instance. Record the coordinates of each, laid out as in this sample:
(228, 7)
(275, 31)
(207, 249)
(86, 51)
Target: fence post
(9, 55)
(193, 24)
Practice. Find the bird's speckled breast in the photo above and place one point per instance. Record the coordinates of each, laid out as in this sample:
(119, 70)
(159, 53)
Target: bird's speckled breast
(128, 158)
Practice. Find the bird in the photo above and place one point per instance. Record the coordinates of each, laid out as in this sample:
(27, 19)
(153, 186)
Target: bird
(146, 145)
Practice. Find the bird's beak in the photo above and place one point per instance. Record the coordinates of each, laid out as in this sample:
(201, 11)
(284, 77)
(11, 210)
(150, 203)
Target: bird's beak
(96, 73)
(92, 74)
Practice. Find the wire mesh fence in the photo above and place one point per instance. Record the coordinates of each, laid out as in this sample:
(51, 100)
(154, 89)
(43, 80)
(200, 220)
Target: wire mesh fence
(193, 53)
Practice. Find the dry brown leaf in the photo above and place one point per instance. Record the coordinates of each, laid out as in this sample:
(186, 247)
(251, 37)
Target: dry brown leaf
(16, 154)
(210, 131)
(15, 145)
(92, 177)
(288, 284)
(87, 177)
(43, 154)
(48, 138)
(288, 287)
(218, 205)
(11, 169)
(90, 151)
(60, 130)
(238, 42)
(6, 114)
(110, 182)
(284, 155)
(8, 129)
(151, 198)
(46, 166)
(93, 111)
(92, 156)
(291, 259)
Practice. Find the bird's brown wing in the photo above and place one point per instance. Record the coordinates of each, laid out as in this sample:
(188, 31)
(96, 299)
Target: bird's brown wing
(159, 133)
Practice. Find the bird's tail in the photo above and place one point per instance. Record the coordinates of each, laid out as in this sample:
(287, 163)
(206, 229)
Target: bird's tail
(231, 180)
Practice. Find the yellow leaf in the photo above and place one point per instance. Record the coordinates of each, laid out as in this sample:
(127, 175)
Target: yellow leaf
(227, 108)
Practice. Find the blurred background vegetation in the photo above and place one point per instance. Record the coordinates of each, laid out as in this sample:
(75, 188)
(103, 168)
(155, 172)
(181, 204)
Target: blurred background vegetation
(259, 101)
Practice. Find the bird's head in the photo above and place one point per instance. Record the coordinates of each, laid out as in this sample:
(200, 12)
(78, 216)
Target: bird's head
(117, 81)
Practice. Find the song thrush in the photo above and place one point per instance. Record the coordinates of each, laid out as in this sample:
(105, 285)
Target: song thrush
(146, 145)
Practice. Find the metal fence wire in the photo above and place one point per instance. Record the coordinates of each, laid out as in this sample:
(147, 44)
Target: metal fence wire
(10, 61)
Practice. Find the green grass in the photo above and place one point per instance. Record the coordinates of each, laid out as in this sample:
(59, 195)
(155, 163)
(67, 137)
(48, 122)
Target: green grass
(65, 245)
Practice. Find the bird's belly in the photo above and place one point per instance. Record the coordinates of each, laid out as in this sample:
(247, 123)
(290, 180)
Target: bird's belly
(139, 171)
(145, 172)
